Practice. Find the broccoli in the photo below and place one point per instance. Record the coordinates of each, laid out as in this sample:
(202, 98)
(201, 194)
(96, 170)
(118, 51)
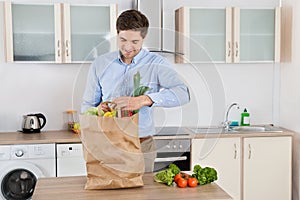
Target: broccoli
(175, 169)
(204, 175)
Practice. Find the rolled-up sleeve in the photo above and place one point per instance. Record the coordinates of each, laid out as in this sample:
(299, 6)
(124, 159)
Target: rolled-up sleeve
(173, 92)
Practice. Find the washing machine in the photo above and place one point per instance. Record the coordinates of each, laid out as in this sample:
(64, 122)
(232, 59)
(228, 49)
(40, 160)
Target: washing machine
(21, 166)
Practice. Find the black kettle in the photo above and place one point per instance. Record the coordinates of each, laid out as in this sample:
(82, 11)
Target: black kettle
(32, 124)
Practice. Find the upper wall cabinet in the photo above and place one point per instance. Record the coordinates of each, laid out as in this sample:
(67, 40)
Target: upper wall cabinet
(58, 33)
(227, 35)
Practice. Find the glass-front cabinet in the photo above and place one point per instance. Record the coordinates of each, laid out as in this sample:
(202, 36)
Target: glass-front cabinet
(256, 32)
(208, 32)
(201, 34)
(31, 32)
(60, 33)
(89, 31)
(227, 35)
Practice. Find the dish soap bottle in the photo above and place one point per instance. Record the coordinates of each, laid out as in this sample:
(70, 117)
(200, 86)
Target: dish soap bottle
(245, 118)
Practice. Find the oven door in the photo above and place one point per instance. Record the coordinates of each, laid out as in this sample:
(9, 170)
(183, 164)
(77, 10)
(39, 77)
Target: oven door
(164, 159)
(175, 151)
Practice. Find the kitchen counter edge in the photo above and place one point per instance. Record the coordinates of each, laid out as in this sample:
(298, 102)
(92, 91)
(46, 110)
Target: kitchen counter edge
(65, 136)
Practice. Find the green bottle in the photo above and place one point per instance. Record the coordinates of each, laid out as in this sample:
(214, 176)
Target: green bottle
(245, 118)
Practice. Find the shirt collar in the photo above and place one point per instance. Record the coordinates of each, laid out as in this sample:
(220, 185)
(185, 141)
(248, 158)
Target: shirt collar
(136, 59)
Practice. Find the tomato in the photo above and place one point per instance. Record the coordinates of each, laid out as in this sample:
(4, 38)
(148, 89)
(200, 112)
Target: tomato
(181, 182)
(192, 182)
(176, 177)
(186, 176)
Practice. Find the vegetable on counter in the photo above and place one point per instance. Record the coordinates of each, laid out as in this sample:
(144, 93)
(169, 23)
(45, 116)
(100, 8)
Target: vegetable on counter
(204, 175)
(173, 174)
(166, 176)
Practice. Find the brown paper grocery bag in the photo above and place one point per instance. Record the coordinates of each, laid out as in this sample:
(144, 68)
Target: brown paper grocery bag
(112, 152)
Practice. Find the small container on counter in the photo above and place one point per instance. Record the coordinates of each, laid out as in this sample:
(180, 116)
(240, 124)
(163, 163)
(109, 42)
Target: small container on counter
(72, 118)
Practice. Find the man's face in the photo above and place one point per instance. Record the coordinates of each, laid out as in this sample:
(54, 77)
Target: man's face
(130, 43)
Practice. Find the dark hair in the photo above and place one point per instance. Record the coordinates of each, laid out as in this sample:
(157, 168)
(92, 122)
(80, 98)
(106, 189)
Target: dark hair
(133, 20)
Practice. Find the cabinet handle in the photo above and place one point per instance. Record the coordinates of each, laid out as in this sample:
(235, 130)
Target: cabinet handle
(229, 50)
(249, 155)
(58, 48)
(235, 151)
(237, 49)
(67, 48)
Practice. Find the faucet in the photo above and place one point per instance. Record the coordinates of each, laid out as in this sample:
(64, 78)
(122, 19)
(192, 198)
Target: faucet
(226, 123)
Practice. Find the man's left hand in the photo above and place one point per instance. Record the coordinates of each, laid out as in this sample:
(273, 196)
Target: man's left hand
(132, 103)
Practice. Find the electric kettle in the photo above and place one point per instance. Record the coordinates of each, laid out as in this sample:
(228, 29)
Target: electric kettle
(32, 123)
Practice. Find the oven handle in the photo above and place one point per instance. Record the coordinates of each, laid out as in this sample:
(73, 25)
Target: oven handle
(170, 159)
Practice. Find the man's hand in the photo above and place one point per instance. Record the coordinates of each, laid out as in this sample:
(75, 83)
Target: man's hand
(104, 106)
(132, 103)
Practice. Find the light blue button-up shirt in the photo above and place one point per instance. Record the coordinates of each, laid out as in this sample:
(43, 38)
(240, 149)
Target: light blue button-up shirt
(110, 77)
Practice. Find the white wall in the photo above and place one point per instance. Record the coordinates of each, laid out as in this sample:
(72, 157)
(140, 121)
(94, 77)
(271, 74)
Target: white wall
(290, 96)
(47, 88)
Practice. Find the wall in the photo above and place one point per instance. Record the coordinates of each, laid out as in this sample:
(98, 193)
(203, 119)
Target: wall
(48, 88)
(45, 88)
(290, 96)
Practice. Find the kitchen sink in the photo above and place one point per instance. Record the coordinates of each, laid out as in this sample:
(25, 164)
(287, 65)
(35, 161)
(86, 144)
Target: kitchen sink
(266, 128)
(236, 129)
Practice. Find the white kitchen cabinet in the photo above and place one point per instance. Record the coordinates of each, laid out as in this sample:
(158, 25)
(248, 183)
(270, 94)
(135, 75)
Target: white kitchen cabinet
(249, 168)
(267, 168)
(89, 31)
(229, 35)
(223, 154)
(60, 33)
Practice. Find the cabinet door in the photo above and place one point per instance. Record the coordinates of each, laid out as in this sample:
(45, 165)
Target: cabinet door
(89, 31)
(267, 168)
(30, 32)
(256, 35)
(223, 154)
(227, 35)
(203, 35)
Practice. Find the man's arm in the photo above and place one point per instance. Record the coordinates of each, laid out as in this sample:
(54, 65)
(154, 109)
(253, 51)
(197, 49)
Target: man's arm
(173, 91)
(92, 94)
(133, 103)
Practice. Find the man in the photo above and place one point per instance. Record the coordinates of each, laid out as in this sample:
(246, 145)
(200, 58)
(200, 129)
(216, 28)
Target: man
(111, 79)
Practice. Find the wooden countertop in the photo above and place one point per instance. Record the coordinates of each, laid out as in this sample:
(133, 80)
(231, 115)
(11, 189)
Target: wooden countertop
(39, 138)
(73, 188)
(65, 136)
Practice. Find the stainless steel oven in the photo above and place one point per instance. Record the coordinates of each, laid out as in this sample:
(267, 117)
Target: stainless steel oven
(175, 150)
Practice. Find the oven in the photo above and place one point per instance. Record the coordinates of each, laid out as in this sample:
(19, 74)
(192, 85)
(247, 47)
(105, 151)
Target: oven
(175, 150)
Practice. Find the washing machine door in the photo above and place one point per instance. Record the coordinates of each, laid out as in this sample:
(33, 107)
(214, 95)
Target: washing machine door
(18, 180)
